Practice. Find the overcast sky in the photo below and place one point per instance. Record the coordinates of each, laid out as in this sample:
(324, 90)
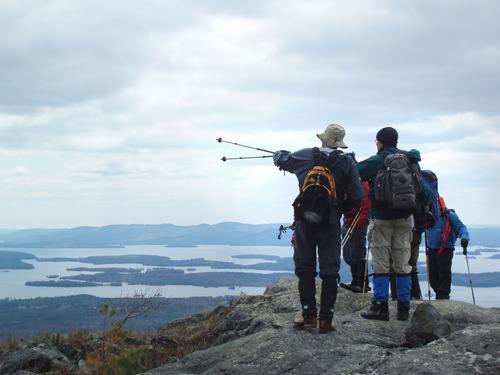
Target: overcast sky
(109, 110)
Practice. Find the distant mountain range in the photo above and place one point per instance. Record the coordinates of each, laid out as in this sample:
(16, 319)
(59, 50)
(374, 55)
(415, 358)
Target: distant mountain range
(227, 233)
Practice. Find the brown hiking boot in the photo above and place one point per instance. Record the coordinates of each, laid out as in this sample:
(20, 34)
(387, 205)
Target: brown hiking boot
(326, 326)
(301, 323)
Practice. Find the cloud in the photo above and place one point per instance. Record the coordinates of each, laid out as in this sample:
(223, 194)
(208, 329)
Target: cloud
(112, 109)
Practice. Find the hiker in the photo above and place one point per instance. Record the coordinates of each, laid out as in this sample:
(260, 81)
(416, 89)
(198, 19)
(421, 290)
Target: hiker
(441, 246)
(317, 211)
(393, 202)
(354, 250)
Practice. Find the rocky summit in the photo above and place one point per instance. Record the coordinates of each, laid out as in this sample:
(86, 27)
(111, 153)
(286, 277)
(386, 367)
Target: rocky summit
(255, 335)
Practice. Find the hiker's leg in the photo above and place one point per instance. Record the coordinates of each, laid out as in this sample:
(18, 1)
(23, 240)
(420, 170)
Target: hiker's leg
(347, 255)
(444, 262)
(305, 267)
(416, 293)
(329, 265)
(359, 254)
(401, 255)
(433, 269)
(379, 240)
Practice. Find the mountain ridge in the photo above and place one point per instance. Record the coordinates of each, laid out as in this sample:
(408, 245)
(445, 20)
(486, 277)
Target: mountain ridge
(224, 233)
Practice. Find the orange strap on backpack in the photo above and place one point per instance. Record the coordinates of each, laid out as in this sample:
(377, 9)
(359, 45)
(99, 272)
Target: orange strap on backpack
(311, 180)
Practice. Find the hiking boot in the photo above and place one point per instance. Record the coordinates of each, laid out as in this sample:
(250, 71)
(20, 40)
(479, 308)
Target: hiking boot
(326, 326)
(403, 310)
(378, 311)
(352, 287)
(305, 323)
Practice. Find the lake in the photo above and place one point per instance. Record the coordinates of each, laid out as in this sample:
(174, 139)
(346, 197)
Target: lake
(13, 281)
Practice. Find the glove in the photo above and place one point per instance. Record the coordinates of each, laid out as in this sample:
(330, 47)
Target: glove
(464, 242)
(278, 155)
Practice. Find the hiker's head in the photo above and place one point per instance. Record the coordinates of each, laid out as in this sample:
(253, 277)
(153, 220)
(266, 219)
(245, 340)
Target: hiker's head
(387, 137)
(333, 136)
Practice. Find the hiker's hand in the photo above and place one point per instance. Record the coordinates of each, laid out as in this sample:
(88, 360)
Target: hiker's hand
(277, 156)
(464, 242)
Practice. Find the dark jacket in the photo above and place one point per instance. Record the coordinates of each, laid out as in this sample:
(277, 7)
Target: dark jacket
(348, 183)
(458, 229)
(368, 170)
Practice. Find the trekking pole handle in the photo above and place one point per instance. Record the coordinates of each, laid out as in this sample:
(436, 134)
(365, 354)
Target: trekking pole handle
(220, 140)
(246, 157)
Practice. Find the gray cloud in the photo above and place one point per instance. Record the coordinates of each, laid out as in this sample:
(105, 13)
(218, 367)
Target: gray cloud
(124, 96)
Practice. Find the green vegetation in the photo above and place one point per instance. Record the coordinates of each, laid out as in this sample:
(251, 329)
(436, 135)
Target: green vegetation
(34, 317)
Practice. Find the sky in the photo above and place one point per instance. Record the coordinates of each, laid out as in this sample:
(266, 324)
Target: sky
(110, 110)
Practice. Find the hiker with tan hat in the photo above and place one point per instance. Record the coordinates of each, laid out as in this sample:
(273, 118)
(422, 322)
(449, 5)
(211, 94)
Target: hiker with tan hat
(329, 183)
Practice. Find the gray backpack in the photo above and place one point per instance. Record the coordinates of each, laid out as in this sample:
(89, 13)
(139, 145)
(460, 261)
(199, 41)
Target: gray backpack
(398, 185)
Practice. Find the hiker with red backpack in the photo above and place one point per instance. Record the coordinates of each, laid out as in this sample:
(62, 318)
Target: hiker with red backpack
(329, 184)
(354, 231)
(441, 247)
(395, 190)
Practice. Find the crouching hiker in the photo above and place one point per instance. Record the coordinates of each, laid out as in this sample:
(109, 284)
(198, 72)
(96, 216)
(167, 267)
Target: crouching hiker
(354, 239)
(441, 246)
(328, 184)
(395, 188)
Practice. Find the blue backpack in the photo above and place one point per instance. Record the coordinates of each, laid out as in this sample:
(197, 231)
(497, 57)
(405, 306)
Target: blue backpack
(432, 182)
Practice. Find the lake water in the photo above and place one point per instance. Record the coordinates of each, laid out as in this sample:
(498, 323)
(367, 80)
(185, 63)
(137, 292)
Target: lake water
(12, 282)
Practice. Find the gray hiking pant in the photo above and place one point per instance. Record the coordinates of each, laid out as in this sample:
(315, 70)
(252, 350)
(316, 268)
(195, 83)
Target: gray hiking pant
(390, 239)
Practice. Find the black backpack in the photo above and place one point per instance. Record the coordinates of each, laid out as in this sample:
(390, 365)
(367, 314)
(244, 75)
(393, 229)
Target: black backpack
(318, 191)
(397, 186)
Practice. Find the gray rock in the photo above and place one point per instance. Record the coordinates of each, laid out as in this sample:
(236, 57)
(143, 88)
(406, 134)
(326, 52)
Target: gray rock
(438, 319)
(37, 359)
(256, 335)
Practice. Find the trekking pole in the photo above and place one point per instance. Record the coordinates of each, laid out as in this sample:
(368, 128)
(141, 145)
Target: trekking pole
(246, 157)
(365, 276)
(351, 228)
(427, 259)
(470, 280)
(427, 265)
(220, 140)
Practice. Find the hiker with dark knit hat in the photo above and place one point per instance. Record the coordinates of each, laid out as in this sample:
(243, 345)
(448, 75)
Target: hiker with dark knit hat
(354, 250)
(317, 238)
(389, 232)
(441, 247)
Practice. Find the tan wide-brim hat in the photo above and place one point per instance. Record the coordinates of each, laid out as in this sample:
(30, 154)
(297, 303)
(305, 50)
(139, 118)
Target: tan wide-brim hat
(333, 136)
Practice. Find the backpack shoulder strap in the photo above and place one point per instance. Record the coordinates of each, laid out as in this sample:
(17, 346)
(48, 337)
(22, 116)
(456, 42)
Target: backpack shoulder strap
(316, 155)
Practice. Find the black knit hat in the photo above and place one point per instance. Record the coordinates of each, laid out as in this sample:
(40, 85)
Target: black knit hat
(388, 137)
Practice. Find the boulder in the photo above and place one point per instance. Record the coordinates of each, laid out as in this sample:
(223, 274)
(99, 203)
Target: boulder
(433, 320)
(37, 359)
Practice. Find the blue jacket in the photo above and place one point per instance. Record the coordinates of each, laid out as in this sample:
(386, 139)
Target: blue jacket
(458, 229)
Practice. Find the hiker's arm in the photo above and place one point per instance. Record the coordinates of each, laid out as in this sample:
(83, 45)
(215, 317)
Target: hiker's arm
(368, 168)
(355, 190)
(459, 227)
(283, 160)
(292, 162)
